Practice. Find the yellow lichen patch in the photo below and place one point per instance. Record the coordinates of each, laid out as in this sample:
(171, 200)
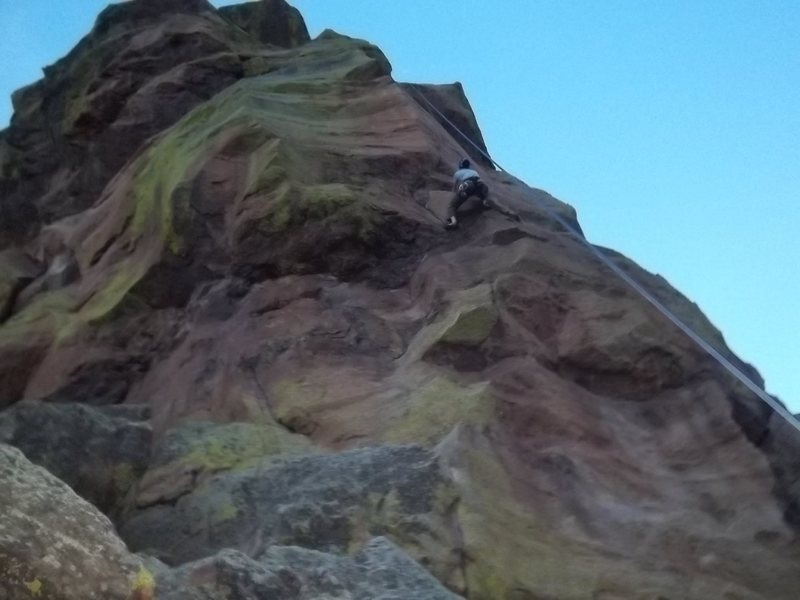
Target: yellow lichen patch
(533, 557)
(109, 297)
(226, 512)
(204, 449)
(34, 587)
(468, 320)
(473, 316)
(291, 206)
(267, 180)
(263, 172)
(144, 585)
(297, 393)
(48, 313)
(123, 477)
(160, 198)
(472, 327)
(241, 445)
(435, 409)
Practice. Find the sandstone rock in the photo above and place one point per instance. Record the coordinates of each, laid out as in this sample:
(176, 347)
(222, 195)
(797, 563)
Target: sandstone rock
(270, 21)
(16, 271)
(144, 65)
(99, 455)
(451, 101)
(263, 265)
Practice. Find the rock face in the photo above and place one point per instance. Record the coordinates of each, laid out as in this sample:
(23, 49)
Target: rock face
(17, 270)
(143, 66)
(269, 21)
(209, 215)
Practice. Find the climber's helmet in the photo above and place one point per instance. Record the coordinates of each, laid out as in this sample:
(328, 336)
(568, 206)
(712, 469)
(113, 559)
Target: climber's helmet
(464, 164)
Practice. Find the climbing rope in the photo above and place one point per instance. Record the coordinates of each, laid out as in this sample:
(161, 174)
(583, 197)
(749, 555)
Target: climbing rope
(733, 369)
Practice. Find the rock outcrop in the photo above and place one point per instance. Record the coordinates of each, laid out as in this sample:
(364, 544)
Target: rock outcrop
(270, 22)
(232, 321)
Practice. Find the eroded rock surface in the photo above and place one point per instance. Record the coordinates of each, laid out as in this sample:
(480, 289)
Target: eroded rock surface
(208, 214)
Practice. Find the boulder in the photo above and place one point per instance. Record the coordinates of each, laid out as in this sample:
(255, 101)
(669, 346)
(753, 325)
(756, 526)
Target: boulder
(55, 545)
(378, 571)
(327, 502)
(98, 453)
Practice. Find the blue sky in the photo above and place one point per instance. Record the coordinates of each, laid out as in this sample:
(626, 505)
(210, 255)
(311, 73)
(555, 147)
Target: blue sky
(672, 127)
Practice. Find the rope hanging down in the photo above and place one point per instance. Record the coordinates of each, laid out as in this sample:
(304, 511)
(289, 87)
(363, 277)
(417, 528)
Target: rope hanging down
(731, 368)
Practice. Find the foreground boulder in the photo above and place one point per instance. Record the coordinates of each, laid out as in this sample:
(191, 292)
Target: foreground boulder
(56, 546)
(378, 571)
(325, 502)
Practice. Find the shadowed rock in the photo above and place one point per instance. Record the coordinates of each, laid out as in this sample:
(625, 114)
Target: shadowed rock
(98, 454)
(270, 21)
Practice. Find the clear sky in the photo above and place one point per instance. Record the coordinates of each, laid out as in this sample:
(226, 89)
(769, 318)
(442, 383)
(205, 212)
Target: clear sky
(672, 127)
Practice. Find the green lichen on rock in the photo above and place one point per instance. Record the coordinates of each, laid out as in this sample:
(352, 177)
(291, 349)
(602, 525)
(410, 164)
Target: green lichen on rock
(292, 207)
(123, 477)
(49, 315)
(468, 320)
(191, 453)
(161, 198)
(144, 584)
(435, 409)
(268, 179)
(103, 303)
(472, 327)
(34, 587)
(289, 394)
(536, 559)
(161, 170)
(229, 446)
(472, 317)
(226, 511)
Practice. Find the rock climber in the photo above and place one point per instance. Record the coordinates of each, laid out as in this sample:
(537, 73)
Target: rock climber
(467, 183)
